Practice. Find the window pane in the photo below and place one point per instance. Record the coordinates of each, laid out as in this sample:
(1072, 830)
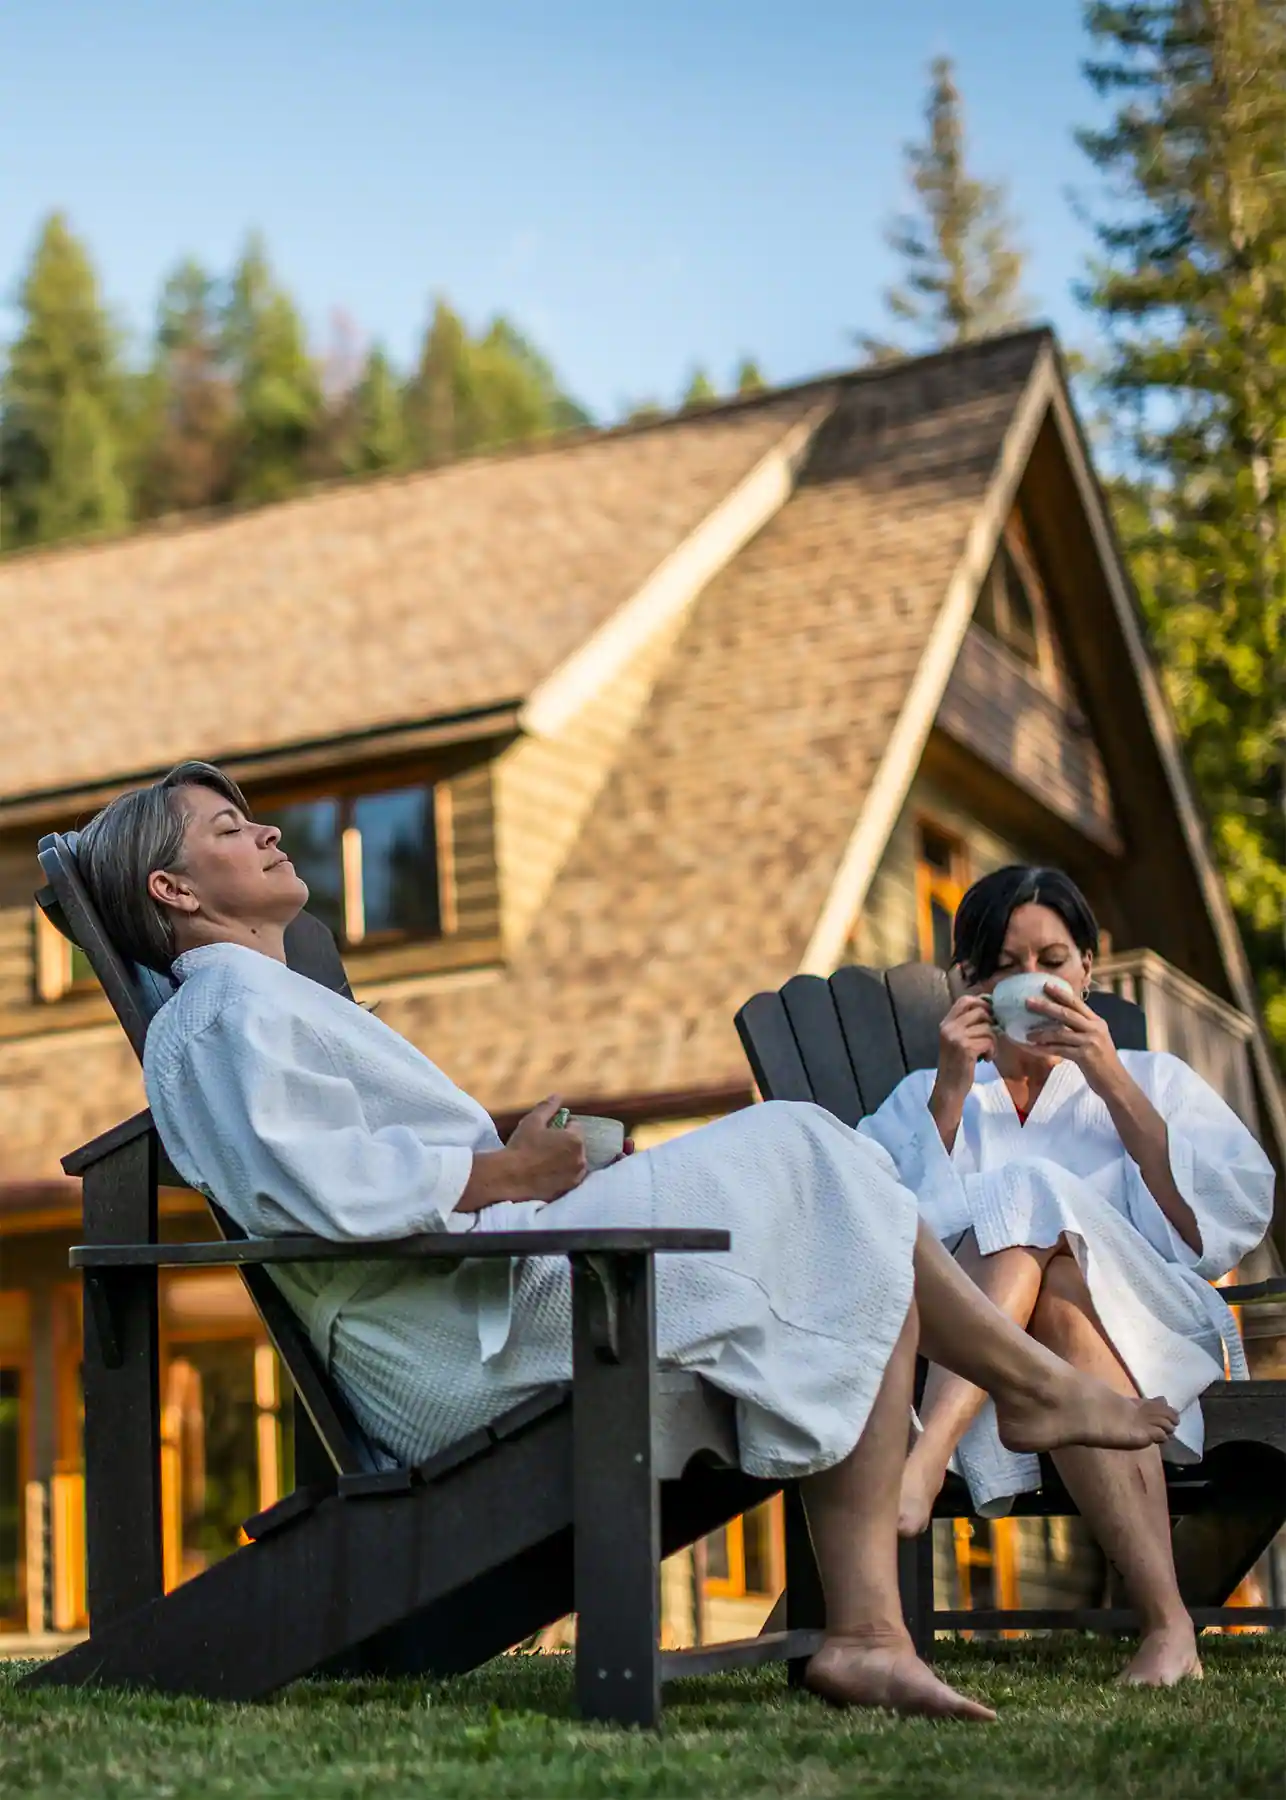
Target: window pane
(81, 969)
(942, 919)
(219, 1448)
(757, 1526)
(310, 837)
(985, 612)
(718, 1567)
(11, 1497)
(937, 849)
(399, 862)
(1020, 625)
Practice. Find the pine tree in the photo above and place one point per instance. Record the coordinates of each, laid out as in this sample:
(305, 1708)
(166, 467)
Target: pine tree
(278, 389)
(377, 439)
(62, 402)
(748, 378)
(559, 411)
(511, 393)
(438, 394)
(700, 391)
(475, 394)
(963, 272)
(189, 406)
(1192, 290)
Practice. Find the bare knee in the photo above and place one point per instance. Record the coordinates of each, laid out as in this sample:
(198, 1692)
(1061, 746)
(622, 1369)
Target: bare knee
(1063, 1312)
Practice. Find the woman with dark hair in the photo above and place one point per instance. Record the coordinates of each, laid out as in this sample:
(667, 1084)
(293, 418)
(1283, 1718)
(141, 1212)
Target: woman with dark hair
(1093, 1196)
(303, 1112)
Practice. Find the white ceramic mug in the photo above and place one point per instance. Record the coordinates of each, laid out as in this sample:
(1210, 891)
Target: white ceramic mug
(604, 1138)
(1009, 1003)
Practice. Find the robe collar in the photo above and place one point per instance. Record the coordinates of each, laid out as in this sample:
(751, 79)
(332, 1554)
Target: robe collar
(997, 1103)
(205, 955)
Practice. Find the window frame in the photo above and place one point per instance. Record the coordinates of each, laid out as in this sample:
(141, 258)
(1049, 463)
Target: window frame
(947, 887)
(733, 1585)
(1013, 541)
(54, 976)
(346, 790)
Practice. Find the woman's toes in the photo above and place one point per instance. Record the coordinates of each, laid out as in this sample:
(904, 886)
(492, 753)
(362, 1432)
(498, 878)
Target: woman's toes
(1163, 1659)
(848, 1674)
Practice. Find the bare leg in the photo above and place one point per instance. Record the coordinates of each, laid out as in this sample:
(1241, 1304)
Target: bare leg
(1010, 1279)
(1042, 1402)
(1120, 1493)
(868, 1658)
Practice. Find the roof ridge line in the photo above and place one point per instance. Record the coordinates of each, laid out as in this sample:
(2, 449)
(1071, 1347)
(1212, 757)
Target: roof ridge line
(178, 524)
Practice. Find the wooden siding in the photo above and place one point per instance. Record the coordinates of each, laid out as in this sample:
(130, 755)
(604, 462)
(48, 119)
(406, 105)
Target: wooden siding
(19, 879)
(887, 931)
(1001, 710)
(472, 862)
(546, 786)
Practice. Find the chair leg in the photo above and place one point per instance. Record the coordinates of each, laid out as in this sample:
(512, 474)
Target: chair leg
(915, 1581)
(122, 1406)
(805, 1604)
(615, 1495)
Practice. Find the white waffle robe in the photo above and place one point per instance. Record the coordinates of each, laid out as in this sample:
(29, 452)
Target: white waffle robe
(1066, 1174)
(301, 1112)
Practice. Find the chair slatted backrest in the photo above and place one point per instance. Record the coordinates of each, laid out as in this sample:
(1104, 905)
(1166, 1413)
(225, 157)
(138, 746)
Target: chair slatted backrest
(846, 1042)
(136, 995)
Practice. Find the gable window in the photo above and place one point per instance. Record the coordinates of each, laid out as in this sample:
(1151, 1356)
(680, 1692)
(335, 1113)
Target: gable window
(941, 876)
(1011, 604)
(375, 860)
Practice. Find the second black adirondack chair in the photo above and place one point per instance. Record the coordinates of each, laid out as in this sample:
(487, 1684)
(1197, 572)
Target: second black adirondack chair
(565, 1503)
(845, 1043)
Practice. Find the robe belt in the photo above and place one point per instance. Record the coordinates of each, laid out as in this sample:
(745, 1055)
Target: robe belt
(494, 1285)
(326, 1306)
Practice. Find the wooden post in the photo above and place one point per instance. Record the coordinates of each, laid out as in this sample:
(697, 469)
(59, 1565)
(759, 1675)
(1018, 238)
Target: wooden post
(122, 1405)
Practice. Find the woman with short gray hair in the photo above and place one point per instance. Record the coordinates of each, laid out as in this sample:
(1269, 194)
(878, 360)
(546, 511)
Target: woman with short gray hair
(303, 1113)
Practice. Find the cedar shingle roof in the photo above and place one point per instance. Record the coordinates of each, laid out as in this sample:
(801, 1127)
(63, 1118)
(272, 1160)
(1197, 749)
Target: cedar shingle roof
(702, 868)
(349, 608)
(701, 872)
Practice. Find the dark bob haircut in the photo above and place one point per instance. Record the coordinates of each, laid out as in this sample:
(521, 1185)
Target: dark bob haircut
(983, 915)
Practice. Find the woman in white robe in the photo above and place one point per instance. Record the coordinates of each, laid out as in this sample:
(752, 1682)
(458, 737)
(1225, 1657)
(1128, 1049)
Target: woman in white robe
(1094, 1196)
(302, 1112)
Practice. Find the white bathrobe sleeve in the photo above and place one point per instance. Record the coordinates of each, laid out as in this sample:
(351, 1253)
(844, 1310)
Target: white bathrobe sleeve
(906, 1128)
(259, 1118)
(1217, 1166)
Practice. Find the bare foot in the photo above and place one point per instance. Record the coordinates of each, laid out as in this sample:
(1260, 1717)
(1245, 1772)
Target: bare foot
(1164, 1658)
(850, 1672)
(922, 1480)
(1079, 1409)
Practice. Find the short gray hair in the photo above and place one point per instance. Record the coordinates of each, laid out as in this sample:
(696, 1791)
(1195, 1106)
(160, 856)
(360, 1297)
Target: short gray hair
(122, 845)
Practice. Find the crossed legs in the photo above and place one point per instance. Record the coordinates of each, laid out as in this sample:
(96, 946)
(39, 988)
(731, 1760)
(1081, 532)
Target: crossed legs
(1041, 1402)
(1120, 1492)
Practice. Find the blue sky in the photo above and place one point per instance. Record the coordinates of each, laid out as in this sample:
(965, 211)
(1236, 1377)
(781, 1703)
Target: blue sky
(643, 184)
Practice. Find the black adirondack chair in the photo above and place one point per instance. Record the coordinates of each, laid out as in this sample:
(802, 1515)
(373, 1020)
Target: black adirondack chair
(845, 1043)
(565, 1503)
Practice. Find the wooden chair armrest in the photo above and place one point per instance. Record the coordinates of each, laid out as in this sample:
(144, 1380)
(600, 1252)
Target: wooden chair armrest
(440, 1246)
(1255, 1293)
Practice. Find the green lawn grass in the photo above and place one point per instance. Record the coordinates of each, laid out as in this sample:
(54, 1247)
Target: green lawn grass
(510, 1731)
